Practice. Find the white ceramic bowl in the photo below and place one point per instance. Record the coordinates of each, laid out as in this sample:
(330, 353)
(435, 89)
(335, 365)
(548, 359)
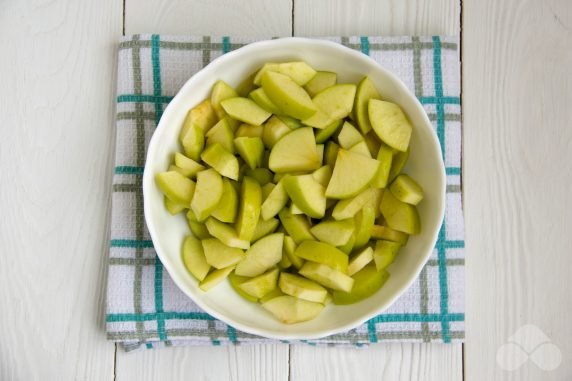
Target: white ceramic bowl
(425, 165)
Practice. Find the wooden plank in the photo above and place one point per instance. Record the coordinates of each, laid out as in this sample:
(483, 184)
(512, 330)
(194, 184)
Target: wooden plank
(203, 17)
(57, 93)
(517, 92)
(375, 17)
(247, 362)
(378, 362)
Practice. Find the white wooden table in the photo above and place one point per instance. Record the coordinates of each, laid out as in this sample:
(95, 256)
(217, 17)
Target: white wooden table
(57, 85)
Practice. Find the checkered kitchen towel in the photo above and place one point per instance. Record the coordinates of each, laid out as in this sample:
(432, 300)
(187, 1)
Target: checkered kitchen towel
(146, 309)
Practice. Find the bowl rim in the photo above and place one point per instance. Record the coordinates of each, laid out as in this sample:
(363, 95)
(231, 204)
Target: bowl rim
(148, 181)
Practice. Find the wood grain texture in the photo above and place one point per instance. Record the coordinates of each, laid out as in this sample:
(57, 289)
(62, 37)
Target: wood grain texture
(248, 363)
(517, 93)
(376, 17)
(378, 362)
(206, 17)
(57, 78)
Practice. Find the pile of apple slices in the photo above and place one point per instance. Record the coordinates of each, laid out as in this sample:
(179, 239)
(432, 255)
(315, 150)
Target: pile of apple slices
(286, 197)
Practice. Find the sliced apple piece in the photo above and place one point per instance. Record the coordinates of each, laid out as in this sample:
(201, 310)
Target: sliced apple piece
(331, 153)
(214, 278)
(302, 288)
(203, 116)
(398, 162)
(405, 189)
(349, 136)
(219, 255)
(350, 207)
(245, 110)
(385, 253)
(221, 91)
(249, 130)
(321, 81)
(364, 221)
(373, 143)
(365, 91)
(335, 233)
(265, 227)
(385, 157)
(276, 200)
(366, 283)
(193, 140)
(189, 166)
(271, 295)
(208, 193)
(349, 246)
(175, 186)
(251, 150)
(221, 160)
(246, 86)
(269, 66)
(360, 260)
(352, 173)
(399, 215)
(307, 194)
(225, 233)
(228, 205)
(327, 276)
(323, 253)
(194, 258)
(390, 124)
(263, 175)
(249, 209)
(319, 120)
(289, 249)
(235, 281)
(336, 101)
(172, 207)
(262, 284)
(294, 209)
(292, 123)
(388, 234)
(296, 225)
(287, 95)
(361, 148)
(223, 134)
(296, 151)
(198, 229)
(262, 255)
(325, 133)
(274, 130)
(323, 175)
(289, 309)
(299, 71)
(260, 98)
(266, 190)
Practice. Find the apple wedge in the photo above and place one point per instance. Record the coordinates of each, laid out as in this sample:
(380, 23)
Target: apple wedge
(251, 150)
(307, 194)
(245, 110)
(296, 225)
(352, 173)
(390, 124)
(235, 281)
(249, 209)
(172, 207)
(189, 166)
(302, 288)
(221, 160)
(336, 101)
(265, 227)
(289, 309)
(261, 285)
(261, 256)
(350, 207)
(335, 233)
(323, 253)
(399, 215)
(385, 158)
(405, 189)
(225, 233)
(287, 95)
(221, 91)
(176, 187)
(364, 221)
(276, 200)
(193, 141)
(274, 130)
(365, 91)
(260, 98)
(226, 209)
(296, 151)
(325, 133)
(397, 164)
(366, 283)
(327, 276)
(223, 134)
(321, 81)
(194, 258)
(349, 136)
(385, 253)
(219, 255)
(388, 234)
(208, 193)
(289, 249)
(360, 260)
(214, 278)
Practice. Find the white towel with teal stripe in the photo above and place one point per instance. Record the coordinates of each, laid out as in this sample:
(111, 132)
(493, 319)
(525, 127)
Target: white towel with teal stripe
(144, 307)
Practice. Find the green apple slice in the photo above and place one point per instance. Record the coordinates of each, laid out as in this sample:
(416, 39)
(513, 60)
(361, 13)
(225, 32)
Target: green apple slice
(367, 282)
(360, 260)
(189, 166)
(266, 190)
(271, 295)
(251, 150)
(331, 153)
(321, 81)
(202, 116)
(269, 66)
(320, 152)
(249, 130)
(262, 255)
(289, 309)
(365, 91)
(219, 255)
(249, 210)
(183, 172)
(274, 130)
(398, 162)
(349, 246)
(214, 278)
(245, 110)
(226, 209)
(294, 209)
(361, 148)
(193, 140)
(388, 234)
(323, 175)
(223, 134)
(172, 207)
(260, 98)
(349, 136)
(299, 71)
(296, 225)
(275, 202)
(265, 227)
(221, 160)
(399, 215)
(287, 95)
(325, 133)
(194, 258)
(261, 285)
(284, 262)
(198, 229)
(385, 158)
(307, 194)
(335, 233)
(390, 124)
(225, 233)
(373, 143)
(327, 276)
(235, 281)
(352, 173)
(289, 248)
(246, 86)
(319, 120)
(296, 151)
(405, 189)
(385, 253)
(323, 253)
(176, 187)
(221, 91)
(292, 123)
(364, 221)
(350, 207)
(336, 101)
(262, 175)
(302, 288)
(208, 193)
